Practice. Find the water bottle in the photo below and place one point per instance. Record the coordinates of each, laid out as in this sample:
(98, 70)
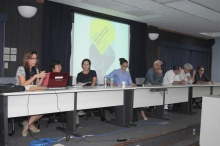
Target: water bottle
(105, 81)
(111, 82)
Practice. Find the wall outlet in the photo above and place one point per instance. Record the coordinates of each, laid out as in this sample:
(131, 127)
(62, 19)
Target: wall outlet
(194, 131)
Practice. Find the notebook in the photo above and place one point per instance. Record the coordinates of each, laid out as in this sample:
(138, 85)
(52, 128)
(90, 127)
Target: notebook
(56, 80)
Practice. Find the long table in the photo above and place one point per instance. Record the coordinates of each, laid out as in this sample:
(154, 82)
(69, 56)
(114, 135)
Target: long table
(42, 102)
(26, 103)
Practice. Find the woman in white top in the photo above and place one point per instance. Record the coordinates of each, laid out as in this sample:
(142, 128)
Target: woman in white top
(28, 74)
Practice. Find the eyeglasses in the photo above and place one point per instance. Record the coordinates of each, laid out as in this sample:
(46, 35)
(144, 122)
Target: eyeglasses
(124, 66)
(33, 59)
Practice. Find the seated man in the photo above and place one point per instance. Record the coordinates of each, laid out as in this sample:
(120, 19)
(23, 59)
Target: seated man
(154, 75)
(185, 73)
(172, 77)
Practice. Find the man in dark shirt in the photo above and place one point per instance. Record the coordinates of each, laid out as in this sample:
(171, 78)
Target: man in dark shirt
(154, 75)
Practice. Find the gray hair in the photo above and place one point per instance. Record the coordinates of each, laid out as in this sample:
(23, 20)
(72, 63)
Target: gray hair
(188, 66)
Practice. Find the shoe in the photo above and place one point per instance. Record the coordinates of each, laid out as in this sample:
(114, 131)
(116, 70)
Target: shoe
(81, 113)
(24, 134)
(145, 118)
(34, 130)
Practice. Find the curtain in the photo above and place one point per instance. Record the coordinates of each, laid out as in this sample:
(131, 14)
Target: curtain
(179, 55)
(57, 24)
(173, 56)
(138, 46)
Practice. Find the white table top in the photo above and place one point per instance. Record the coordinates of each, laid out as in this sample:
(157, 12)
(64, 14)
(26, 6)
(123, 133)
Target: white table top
(102, 88)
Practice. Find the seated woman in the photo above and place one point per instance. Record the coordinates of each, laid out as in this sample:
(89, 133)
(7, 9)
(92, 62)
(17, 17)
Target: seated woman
(121, 75)
(86, 75)
(28, 74)
(201, 77)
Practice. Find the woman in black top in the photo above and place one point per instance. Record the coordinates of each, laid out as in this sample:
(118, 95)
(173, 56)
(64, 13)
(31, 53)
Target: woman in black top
(87, 75)
(201, 77)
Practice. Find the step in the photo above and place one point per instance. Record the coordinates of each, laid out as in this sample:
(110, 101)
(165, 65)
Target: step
(188, 141)
(166, 137)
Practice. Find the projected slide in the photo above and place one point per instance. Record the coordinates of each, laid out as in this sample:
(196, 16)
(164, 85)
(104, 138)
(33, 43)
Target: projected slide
(101, 41)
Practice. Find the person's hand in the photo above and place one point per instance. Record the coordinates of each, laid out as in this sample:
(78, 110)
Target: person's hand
(42, 74)
(183, 82)
(159, 71)
(132, 84)
(194, 72)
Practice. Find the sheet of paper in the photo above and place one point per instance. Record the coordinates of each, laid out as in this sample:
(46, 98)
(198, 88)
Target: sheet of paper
(6, 57)
(13, 50)
(6, 50)
(13, 58)
(6, 65)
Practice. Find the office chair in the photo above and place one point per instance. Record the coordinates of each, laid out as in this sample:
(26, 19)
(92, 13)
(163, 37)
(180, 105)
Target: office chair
(139, 81)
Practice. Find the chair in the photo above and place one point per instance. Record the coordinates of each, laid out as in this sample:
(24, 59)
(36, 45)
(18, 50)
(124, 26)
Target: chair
(139, 81)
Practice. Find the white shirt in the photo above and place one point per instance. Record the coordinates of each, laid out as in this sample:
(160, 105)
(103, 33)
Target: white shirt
(183, 76)
(170, 77)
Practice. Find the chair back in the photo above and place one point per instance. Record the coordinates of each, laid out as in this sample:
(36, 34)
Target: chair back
(139, 81)
(6, 80)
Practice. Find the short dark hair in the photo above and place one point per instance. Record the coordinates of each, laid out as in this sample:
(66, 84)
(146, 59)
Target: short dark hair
(86, 60)
(53, 63)
(122, 60)
(176, 67)
(199, 67)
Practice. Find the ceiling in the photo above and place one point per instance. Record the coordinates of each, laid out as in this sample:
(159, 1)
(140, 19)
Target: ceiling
(190, 17)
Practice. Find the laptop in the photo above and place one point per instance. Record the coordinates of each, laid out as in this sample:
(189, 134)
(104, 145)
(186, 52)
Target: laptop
(56, 80)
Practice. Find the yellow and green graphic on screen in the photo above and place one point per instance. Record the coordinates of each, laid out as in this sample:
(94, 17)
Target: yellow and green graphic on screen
(101, 52)
(102, 34)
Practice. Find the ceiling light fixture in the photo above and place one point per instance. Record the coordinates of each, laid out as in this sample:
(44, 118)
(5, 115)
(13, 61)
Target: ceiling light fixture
(153, 36)
(27, 11)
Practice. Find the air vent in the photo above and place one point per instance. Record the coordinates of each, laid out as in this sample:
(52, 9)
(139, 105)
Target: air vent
(122, 7)
(192, 8)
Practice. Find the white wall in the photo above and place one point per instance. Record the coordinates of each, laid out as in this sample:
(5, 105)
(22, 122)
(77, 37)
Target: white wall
(216, 61)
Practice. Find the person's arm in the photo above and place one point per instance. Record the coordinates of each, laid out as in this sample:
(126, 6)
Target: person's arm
(41, 79)
(111, 75)
(22, 78)
(23, 81)
(183, 82)
(181, 75)
(78, 78)
(130, 81)
(193, 76)
(94, 78)
(156, 81)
